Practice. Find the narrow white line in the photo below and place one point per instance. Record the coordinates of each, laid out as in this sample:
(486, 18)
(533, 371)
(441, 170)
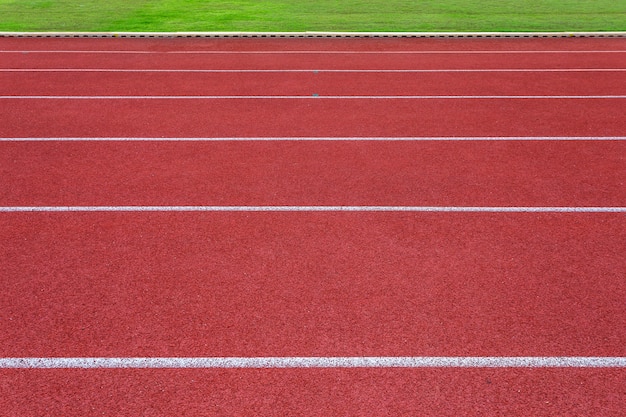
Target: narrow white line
(193, 71)
(318, 362)
(326, 139)
(319, 97)
(530, 209)
(316, 52)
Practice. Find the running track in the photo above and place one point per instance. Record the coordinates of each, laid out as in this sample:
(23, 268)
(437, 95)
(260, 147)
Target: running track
(461, 202)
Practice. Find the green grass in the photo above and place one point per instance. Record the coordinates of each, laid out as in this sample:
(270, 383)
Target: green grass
(312, 15)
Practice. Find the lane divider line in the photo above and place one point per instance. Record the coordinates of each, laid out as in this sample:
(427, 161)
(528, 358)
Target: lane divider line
(316, 362)
(302, 97)
(452, 70)
(443, 209)
(315, 52)
(326, 139)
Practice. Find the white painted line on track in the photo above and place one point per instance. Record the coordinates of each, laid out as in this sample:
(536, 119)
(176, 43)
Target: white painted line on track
(327, 139)
(408, 71)
(314, 52)
(317, 362)
(316, 34)
(444, 209)
(320, 97)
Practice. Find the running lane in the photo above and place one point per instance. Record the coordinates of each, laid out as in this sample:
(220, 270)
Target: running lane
(307, 83)
(257, 173)
(311, 116)
(315, 392)
(184, 45)
(270, 60)
(313, 284)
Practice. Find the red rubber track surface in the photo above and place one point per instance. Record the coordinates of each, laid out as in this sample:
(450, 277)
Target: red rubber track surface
(319, 116)
(313, 284)
(317, 284)
(315, 392)
(311, 117)
(308, 61)
(310, 44)
(486, 173)
(307, 84)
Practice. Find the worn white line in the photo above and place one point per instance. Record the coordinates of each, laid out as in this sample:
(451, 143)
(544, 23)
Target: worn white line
(314, 139)
(317, 97)
(458, 209)
(313, 52)
(316, 362)
(193, 71)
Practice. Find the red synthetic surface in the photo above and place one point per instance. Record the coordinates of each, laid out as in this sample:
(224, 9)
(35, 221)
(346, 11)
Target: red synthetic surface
(308, 61)
(318, 117)
(309, 83)
(384, 44)
(283, 284)
(315, 392)
(311, 117)
(316, 284)
(534, 173)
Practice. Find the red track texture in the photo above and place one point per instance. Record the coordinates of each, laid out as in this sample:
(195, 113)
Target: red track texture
(312, 284)
(312, 117)
(309, 83)
(485, 173)
(319, 284)
(309, 116)
(316, 392)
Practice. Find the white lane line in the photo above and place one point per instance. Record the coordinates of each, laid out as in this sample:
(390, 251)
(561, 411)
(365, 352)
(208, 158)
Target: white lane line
(314, 52)
(326, 139)
(318, 97)
(445, 209)
(318, 362)
(408, 71)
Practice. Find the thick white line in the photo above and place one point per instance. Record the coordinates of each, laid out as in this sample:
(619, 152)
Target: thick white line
(33, 209)
(318, 362)
(315, 52)
(326, 139)
(316, 34)
(317, 97)
(487, 70)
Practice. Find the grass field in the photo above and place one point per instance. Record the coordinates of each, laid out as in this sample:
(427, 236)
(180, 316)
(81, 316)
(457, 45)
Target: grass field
(312, 15)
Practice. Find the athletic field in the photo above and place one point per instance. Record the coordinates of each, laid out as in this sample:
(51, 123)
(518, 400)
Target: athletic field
(253, 225)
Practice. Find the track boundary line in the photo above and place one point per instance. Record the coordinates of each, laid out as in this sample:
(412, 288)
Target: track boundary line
(315, 34)
(440, 209)
(316, 362)
(314, 139)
